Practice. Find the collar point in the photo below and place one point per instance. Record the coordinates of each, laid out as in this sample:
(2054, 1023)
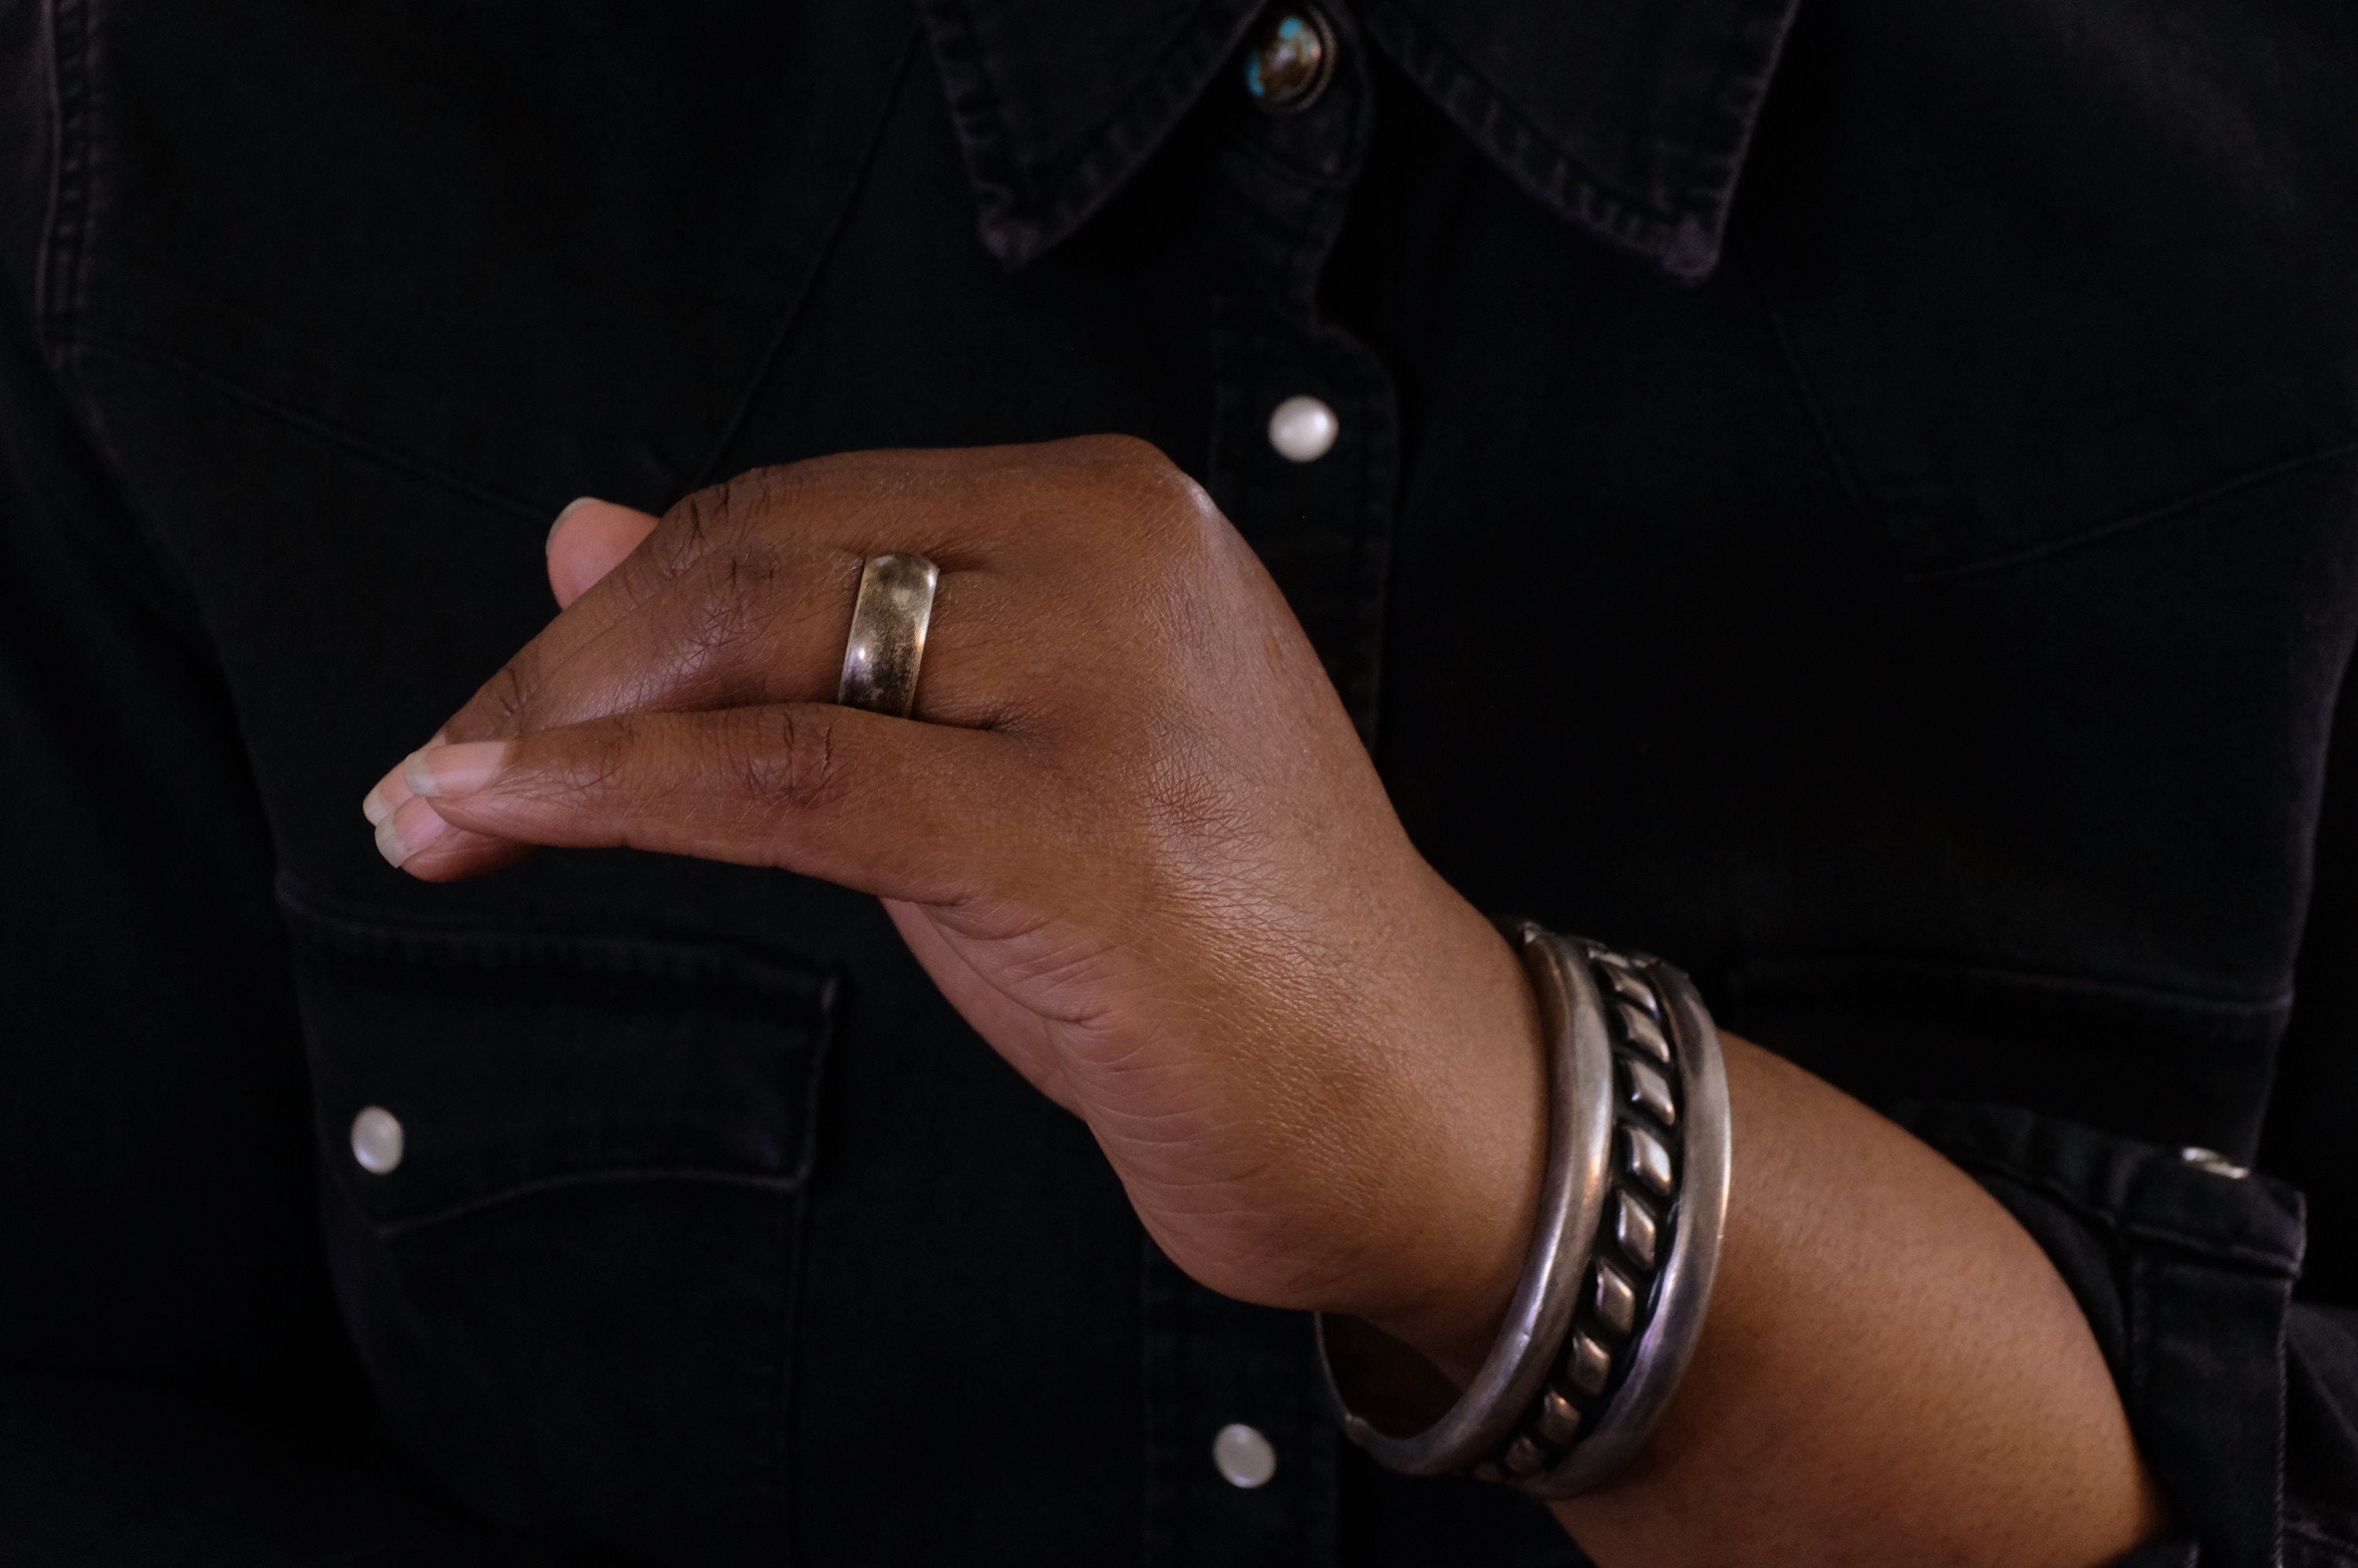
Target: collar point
(1692, 252)
(1014, 242)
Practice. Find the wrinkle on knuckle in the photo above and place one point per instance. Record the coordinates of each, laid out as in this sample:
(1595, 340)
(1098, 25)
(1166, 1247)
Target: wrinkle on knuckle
(691, 522)
(738, 598)
(501, 702)
(711, 518)
(784, 761)
(601, 768)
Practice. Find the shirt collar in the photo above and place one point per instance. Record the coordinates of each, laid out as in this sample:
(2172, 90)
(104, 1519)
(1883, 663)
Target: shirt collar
(1629, 118)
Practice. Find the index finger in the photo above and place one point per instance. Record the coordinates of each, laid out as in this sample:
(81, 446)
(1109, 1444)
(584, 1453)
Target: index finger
(603, 569)
(959, 507)
(589, 538)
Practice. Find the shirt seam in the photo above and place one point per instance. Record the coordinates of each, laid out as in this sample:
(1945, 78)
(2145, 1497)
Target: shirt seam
(2219, 490)
(1812, 407)
(1600, 205)
(2272, 1262)
(520, 945)
(1026, 207)
(1687, 239)
(2317, 1535)
(610, 1175)
(417, 468)
(855, 179)
(2020, 978)
(59, 267)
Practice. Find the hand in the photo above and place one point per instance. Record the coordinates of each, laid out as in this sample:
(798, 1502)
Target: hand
(1131, 833)
(1133, 837)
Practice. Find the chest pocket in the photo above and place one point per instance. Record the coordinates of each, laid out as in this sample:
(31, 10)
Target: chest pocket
(562, 1187)
(2113, 294)
(527, 251)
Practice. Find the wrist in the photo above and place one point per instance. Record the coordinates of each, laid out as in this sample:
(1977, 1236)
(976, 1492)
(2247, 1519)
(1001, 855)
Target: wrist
(1449, 1268)
(1607, 1309)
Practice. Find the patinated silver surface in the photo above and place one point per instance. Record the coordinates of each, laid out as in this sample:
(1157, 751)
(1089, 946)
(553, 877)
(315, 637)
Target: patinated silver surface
(1648, 1159)
(1645, 1034)
(1634, 1230)
(1605, 1317)
(1650, 1091)
(1616, 1299)
(1477, 1429)
(1630, 989)
(1651, 1363)
(1589, 1365)
(889, 622)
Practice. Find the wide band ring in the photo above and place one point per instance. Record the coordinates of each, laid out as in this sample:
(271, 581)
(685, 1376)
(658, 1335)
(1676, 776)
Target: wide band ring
(888, 633)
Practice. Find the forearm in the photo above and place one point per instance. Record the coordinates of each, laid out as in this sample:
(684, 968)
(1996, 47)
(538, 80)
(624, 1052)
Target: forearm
(1892, 1370)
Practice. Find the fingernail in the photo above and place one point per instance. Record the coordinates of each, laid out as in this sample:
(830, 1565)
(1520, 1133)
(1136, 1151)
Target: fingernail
(453, 770)
(412, 826)
(572, 506)
(385, 796)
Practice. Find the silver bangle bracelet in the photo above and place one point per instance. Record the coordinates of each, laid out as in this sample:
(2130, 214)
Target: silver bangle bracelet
(1620, 1271)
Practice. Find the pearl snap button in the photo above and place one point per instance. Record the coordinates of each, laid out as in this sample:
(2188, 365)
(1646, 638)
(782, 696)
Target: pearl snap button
(376, 1141)
(1292, 59)
(2211, 1160)
(1304, 429)
(1243, 1456)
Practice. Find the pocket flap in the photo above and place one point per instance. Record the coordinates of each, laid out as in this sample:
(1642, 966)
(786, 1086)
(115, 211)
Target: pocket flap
(517, 1060)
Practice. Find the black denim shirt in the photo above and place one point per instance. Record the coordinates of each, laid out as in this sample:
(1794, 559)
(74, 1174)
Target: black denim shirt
(1913, 594)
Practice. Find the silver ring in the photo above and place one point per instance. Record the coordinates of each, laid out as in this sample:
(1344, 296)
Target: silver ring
(888, 633)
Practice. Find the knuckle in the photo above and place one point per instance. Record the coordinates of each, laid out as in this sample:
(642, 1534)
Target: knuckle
(604, 764)
(690, 523)
(1174, 510)
(1161, 504)
(714, 518)
(1191, 523)
(766, 503)
(737, 594)
(784, 760)
(1114, 450)
(500, 704)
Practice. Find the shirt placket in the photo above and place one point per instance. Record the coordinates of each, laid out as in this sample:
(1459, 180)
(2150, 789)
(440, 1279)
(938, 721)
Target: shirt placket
(1303, 455)
(1319, 512)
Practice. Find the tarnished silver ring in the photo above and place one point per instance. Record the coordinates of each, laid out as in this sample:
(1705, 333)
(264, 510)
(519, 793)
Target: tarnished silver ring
(888, 633)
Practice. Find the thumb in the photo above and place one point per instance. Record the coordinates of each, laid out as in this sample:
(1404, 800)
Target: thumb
(589, 538)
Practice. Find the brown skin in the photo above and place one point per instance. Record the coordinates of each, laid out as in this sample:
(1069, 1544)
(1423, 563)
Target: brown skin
(1134, 838)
